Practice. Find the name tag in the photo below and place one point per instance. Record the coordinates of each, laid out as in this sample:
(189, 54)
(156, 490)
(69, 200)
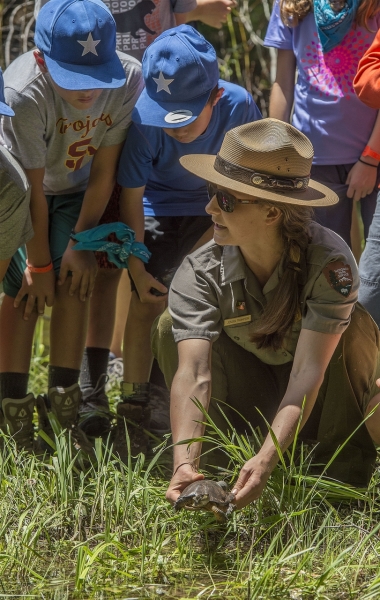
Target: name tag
(238, 320)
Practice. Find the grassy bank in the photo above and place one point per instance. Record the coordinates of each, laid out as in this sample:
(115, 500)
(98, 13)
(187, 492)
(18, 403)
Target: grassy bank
(72, 529)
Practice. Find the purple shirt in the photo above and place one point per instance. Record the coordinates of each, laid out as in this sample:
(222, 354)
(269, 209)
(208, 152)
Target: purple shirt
(326, 108)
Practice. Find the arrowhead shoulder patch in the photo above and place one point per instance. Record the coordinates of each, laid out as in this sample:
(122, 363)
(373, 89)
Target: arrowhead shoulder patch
(339, 277)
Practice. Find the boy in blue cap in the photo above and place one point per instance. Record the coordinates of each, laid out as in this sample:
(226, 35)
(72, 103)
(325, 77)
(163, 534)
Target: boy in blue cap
(183, 109)
(73, 98)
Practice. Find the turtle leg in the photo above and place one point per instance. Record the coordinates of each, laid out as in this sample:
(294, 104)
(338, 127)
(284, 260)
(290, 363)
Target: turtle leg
(219, 514)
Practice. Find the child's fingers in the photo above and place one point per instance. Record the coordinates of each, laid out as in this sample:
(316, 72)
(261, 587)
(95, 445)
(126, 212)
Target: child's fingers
(29, 306)
(19, 297)
(75, 282)
(40, 305)
(84, 287)
(63, 274)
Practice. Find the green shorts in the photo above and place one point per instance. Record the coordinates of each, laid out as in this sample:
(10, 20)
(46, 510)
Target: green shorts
(63, 215)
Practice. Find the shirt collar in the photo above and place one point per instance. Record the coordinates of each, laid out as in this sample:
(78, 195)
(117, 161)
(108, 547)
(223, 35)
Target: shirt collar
(232, 265)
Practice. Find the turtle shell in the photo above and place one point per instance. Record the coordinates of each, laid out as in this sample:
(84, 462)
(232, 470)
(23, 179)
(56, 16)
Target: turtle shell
(208, 495)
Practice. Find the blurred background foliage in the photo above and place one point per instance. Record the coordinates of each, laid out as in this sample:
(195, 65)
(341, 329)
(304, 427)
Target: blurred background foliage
(239, 44)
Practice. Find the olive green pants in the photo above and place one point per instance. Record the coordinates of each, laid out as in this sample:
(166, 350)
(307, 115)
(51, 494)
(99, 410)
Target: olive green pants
(245, 383)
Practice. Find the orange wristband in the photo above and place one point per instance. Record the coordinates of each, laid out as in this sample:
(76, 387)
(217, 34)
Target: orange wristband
(369, 152)
(46, 269)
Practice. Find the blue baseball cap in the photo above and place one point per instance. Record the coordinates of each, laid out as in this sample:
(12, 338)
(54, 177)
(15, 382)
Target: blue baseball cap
(180, 70)
(4, 108)
(78, 39)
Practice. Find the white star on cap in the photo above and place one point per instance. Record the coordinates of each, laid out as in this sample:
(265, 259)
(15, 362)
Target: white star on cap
(89, 45)
(162, 83)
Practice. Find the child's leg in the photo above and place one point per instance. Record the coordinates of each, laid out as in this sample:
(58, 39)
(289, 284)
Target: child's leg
(137, 352)
(16, 405)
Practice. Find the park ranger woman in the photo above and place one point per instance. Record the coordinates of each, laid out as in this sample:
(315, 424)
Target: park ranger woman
(265, 315)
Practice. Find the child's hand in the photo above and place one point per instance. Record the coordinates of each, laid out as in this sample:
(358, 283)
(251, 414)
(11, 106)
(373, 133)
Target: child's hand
(40, 288)
(361, 181)
(214, 12)
(145, 282)
(83, 267)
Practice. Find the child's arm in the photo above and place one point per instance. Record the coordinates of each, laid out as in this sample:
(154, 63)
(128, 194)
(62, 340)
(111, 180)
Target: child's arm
(82, 263)
(367, 78)
(210, 12)
(282, 95)
(362, 178)
(132, 214)
(39, 287)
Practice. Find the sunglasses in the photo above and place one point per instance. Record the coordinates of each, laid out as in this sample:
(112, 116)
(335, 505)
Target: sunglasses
(226, 201)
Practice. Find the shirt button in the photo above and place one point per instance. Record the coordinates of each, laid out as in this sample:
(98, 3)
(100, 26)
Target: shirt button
(236, 338)
(285, 353)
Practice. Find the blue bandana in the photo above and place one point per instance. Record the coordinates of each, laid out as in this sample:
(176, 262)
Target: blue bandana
(96, 239)
(333, 26)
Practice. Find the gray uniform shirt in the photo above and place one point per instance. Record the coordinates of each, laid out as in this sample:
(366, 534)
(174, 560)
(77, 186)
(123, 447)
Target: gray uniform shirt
(48, 132)
(214, 289)
(15, 222)
(139, 23)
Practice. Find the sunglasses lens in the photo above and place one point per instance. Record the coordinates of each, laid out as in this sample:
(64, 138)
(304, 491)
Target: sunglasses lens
(211, 190)
(225, 201)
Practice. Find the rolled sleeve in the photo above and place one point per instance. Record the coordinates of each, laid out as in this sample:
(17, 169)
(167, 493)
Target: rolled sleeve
(278, 34)
(331, 302)
(193, 305)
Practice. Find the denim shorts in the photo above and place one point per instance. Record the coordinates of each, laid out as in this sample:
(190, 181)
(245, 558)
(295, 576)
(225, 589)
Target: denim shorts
(369, 269)
(63, 214)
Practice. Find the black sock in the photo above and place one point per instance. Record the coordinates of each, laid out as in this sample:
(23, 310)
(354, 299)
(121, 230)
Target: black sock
(62, 376)
(13, 385)
(94, 364)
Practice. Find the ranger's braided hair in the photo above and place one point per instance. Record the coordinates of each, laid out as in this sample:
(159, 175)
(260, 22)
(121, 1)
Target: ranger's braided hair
(284, 307)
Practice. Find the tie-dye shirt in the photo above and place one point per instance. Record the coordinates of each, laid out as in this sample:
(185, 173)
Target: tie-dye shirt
(326, 108)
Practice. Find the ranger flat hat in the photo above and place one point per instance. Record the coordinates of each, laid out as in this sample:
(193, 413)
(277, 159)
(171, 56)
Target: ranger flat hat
(267, 159)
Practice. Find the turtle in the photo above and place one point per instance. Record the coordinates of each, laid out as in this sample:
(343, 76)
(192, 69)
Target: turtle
(205, 494)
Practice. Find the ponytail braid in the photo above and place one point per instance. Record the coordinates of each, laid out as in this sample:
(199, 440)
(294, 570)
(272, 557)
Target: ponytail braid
(284, 307)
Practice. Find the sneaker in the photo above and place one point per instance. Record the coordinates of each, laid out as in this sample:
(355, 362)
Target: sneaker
(133, 414)
(18, 420)
(159, 402)
(115, 372)
(64, 403)
(94, 415)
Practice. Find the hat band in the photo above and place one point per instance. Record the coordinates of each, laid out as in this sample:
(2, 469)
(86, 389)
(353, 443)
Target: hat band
(260, 180)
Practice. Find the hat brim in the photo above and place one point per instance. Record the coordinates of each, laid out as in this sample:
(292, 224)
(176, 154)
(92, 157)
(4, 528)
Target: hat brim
(167, 114)
(6, 110)
(109, 75)
(203, 166)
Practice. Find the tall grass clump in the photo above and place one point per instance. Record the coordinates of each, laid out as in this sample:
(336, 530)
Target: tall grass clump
(102, 529)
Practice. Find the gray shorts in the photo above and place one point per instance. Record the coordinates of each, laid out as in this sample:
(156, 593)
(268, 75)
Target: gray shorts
(170, 239)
